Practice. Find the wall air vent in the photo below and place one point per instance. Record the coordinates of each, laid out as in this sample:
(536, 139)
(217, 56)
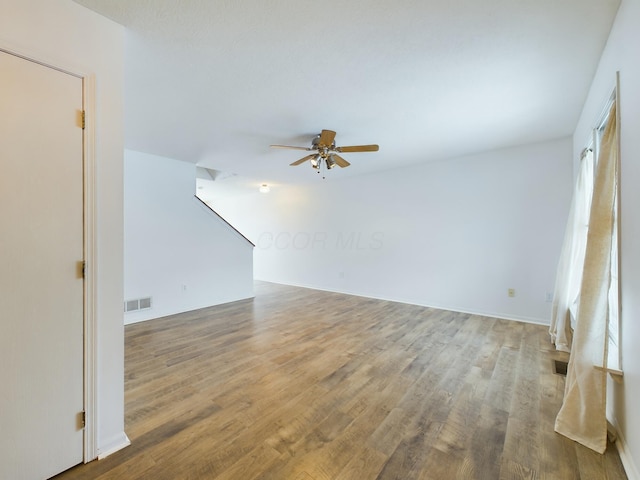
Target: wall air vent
(137, 304)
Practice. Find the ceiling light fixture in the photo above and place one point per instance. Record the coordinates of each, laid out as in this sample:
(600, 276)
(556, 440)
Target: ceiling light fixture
(264, 188)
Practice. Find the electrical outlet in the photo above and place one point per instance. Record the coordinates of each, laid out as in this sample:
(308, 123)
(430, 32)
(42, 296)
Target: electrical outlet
(511, 292)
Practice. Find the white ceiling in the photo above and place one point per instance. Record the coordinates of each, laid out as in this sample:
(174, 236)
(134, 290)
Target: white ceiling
(215, 82)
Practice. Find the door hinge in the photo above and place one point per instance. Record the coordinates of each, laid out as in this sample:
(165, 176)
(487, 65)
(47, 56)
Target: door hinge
(81, 420)
(81, 269)
(84, 119)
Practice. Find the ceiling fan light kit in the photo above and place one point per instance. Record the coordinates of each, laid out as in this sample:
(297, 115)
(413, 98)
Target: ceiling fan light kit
(327, 152)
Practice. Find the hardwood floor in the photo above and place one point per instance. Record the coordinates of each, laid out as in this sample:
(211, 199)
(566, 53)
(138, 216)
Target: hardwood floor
(298, 384)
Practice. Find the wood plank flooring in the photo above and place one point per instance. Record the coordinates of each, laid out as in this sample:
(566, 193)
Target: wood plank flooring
(298, 384)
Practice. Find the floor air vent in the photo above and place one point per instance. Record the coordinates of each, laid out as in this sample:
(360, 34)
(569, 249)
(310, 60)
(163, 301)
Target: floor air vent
(560, 367)
(137, 304)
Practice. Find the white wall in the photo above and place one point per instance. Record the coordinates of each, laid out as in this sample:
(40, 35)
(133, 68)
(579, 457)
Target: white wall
(622, 54)
(176, 250)
(454, 234)
(67, 35)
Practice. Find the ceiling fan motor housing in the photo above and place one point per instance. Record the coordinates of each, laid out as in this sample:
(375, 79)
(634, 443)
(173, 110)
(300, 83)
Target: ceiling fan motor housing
(315, 145)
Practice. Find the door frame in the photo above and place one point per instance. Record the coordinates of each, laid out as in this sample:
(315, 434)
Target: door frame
(90, 375)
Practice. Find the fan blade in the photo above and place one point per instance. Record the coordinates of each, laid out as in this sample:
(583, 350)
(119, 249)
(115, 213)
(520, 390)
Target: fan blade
(291, 147)
(358, 148)
(341, 162)
(326, 138)
(302, 160)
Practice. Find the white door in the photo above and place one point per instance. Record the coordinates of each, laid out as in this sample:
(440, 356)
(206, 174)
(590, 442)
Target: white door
(41, 285)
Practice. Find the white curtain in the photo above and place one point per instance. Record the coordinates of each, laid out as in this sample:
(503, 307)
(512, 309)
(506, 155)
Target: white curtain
(569, 274)
(582, 416)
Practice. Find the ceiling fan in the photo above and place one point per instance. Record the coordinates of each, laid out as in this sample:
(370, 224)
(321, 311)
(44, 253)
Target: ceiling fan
(326, 152)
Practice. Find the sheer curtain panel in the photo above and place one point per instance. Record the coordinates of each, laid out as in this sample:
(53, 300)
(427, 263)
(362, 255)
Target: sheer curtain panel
(569, 274)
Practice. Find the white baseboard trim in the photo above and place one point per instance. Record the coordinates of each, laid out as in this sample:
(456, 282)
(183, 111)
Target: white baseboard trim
(133, 317)
(625, 456)
(118, 443)
(502, 316)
